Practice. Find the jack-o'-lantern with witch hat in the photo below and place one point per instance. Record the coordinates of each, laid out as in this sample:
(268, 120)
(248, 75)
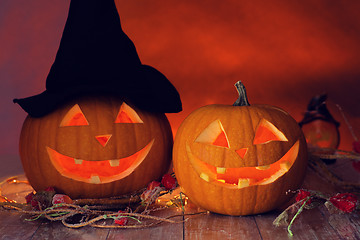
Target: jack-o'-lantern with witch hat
(99, 129)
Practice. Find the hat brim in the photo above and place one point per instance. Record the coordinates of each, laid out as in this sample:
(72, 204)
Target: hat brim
(154, 94)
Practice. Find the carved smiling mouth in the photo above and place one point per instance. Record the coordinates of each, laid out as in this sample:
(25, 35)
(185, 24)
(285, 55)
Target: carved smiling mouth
(237, 178)
(96, 172)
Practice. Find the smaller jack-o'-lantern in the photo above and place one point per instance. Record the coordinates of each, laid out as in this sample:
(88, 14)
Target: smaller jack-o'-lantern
(95, 147)
(320, 128)
(241, 159)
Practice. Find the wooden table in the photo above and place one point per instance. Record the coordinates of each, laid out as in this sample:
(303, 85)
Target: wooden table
(311, 224)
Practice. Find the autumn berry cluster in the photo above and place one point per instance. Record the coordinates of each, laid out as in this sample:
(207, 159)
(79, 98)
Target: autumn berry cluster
(47, 198)
(153, 190)
(341, 202)
(120, 219)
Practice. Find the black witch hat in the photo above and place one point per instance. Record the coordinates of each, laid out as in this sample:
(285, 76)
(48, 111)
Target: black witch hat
(96, 56)
(317, 109)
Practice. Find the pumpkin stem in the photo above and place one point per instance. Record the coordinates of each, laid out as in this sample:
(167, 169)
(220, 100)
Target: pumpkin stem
(242, 100)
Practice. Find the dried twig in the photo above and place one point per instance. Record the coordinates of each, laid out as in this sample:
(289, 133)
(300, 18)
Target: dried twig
(323, 170)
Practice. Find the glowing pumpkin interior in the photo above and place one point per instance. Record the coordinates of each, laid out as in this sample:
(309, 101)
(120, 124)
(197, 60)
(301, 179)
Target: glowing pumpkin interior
(98, 171)
(319, 133)
(237, 178)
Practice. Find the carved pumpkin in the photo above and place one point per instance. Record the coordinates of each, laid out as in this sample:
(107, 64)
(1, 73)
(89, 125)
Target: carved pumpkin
(319, 126)
(95, 147)
(239, 160)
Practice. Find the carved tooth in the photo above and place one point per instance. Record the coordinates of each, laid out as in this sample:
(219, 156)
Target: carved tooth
(78, 161)
(220, 170)
(114, 163)
(263, 167)
(243, 182)
(95, 179)
(274, 177)
(205, 177)
(285, 165)
(221, 180)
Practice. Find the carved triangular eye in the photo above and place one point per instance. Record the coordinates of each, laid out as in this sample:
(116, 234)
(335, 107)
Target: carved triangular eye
(127, 115)
(214, 134)
(74, 117)
(267, 132)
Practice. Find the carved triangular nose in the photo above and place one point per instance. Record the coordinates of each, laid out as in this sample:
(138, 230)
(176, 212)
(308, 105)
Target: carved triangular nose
(103, 139)
(242, 152)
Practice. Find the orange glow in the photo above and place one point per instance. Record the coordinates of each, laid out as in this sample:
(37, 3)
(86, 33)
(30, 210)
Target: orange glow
(122, 117)
(74, 117)
(221, 140)
(246, 176)
(214, 134)
(321, 134)
(242, 152)
(127, 115)
(103, 139)
(99, 171)
(267, 132)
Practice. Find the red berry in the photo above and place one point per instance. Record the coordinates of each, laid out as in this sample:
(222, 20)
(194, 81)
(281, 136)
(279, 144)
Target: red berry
(30, 200)
(346, 202)
(153, 185)
(168, 182)
(61, 198)
(121, 221)
(303, 195)
(29, 197)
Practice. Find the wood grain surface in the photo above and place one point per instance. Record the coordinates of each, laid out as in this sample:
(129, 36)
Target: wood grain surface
(311, 224)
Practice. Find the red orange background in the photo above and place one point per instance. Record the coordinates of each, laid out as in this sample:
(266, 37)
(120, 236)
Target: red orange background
(284, 51)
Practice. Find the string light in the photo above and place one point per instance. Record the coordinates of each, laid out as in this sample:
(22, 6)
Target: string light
(10, 192)
(14, 180)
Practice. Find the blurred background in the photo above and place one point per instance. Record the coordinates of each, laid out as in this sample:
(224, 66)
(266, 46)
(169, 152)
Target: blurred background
(285, 52)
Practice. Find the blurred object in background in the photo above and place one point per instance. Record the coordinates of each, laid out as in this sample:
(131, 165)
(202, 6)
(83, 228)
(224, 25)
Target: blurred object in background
(321, 130)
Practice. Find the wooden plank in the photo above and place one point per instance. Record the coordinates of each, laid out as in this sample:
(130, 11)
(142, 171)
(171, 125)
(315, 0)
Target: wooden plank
(17, 232)
(344, 169)
(316, 183)
(55, 230)
(13, 226)
(13, 218)
(347, 225)
(318, 223)
(216, 226)
(309, 225)
(168, 231)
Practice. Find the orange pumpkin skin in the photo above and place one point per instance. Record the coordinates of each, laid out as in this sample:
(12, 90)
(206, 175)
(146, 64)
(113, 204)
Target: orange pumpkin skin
(44, 139)
(240, 125)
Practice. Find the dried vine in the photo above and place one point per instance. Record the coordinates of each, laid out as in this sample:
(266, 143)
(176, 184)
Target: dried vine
(315, 162)
(90, 217)
(135, 209)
